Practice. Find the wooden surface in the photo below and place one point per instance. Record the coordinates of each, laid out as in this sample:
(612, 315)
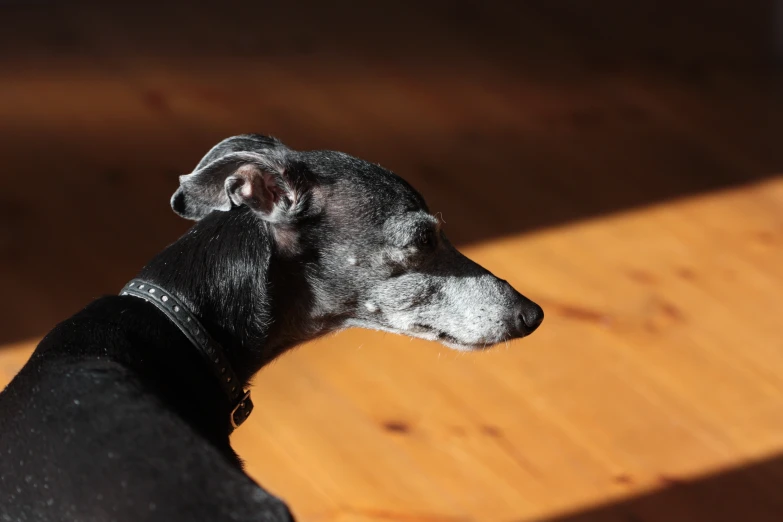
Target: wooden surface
(632, 189)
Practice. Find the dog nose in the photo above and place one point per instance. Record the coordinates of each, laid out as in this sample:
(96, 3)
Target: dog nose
(531, 317)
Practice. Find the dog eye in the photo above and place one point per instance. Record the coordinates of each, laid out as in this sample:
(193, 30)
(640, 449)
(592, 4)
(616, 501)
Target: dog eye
(426, 239)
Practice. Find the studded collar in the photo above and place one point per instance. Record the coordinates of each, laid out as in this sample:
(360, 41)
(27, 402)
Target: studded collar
(210, 350)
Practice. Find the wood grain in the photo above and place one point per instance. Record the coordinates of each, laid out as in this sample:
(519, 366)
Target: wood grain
(633, 189)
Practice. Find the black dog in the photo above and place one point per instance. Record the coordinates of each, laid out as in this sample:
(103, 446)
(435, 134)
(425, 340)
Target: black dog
(124, 411)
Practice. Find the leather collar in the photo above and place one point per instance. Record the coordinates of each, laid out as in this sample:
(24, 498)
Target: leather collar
(211, 351)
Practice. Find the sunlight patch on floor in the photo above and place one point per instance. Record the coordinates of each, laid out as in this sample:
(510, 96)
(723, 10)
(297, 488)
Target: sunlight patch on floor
(658, 362)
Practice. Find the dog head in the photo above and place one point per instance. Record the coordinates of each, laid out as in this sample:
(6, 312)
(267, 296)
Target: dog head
(363, 242)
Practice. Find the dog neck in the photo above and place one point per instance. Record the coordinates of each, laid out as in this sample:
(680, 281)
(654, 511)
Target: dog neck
(221, 269)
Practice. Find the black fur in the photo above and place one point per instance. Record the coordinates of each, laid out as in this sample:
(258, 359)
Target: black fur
(116, 417)
(220, 269)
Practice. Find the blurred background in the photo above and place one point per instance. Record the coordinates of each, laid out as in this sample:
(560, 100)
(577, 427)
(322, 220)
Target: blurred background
(618, 162)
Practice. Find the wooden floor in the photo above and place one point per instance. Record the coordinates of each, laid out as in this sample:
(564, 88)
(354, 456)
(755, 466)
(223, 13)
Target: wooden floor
(622, 166)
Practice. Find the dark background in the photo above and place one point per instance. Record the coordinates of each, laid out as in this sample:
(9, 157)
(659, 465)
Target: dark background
(538, 113)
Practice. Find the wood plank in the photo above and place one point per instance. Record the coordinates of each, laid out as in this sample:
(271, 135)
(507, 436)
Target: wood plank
(632, 188)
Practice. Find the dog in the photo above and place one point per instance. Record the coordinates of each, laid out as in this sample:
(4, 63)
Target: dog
(124, 411)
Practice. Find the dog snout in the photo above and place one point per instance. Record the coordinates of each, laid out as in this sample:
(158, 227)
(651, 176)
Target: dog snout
(529, 317)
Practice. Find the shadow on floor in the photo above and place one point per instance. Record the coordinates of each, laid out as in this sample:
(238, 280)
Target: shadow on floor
(509, 117)
(748, 494)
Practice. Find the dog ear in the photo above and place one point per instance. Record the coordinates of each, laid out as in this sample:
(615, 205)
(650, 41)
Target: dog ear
(259, 180)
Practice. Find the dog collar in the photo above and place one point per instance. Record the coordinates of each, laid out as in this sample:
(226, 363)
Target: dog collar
(213, 353)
